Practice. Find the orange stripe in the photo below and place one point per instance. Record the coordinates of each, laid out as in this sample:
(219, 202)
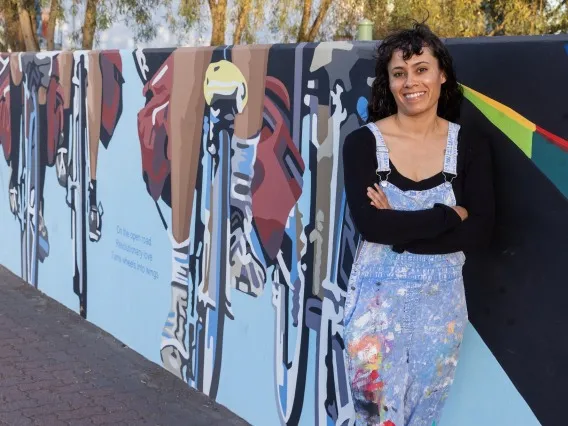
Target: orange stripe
(504, 109)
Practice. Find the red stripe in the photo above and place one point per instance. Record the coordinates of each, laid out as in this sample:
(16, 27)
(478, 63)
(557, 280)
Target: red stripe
(557, 140)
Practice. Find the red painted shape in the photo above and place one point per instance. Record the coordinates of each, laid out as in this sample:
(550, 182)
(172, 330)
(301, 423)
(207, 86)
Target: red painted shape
(557, 140)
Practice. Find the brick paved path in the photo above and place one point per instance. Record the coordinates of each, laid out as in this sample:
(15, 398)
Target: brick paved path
(57, 369)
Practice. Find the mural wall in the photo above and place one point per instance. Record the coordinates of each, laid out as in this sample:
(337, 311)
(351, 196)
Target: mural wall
(190, 202)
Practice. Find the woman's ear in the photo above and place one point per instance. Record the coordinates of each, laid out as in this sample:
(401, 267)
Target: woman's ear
(443, 77)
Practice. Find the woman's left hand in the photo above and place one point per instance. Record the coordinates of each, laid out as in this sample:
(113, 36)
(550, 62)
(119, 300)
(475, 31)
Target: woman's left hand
(378, 197)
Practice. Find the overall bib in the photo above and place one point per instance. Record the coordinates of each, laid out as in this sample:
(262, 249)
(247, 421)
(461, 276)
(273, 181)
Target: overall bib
(405, 314)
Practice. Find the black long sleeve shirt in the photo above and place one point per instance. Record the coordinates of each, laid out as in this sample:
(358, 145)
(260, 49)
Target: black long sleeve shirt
(437, 230)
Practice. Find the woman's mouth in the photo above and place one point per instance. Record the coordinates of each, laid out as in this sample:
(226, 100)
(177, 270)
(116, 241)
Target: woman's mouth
(413, 96)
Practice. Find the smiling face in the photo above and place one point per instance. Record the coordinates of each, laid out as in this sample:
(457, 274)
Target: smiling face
(416, 83)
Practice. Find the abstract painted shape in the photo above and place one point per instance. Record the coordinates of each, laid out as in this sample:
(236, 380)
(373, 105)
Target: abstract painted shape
(517, 128)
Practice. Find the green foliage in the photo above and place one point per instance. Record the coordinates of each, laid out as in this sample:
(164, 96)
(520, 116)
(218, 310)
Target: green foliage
(455, 18)
(281, 19)
(138, 15)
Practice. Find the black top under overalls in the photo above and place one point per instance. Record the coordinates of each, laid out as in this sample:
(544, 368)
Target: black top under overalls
(441, 230)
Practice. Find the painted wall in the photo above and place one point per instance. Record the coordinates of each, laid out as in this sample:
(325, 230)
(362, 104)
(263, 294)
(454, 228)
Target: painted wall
(190, 202)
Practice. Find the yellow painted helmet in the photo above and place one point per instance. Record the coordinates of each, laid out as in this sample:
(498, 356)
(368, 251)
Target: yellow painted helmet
(224, 80)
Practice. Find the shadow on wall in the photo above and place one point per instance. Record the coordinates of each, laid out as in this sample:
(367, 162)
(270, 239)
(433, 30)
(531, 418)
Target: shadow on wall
(237, 162)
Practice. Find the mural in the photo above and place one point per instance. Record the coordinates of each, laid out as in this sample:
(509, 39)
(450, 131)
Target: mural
(227, 242)
(244, 207)
(60, 97)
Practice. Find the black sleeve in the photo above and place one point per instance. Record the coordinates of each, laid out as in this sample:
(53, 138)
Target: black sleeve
(385, 226)
(477, 198)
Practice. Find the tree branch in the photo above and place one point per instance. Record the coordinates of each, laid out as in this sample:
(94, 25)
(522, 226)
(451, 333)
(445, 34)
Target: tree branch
(218, 21)
(496, 29)
(13, 38)
(241, 21)
(26, 25)
(319, 20)
(53, 10)
(306, 15)
(89, 24)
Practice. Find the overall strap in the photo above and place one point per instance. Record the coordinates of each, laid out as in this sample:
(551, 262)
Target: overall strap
(451, 155)
(382, 152)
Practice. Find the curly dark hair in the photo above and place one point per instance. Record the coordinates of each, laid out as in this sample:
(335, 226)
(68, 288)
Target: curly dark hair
(411, 42)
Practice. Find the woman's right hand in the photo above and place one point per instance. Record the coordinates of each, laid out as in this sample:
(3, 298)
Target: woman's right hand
(461, 211)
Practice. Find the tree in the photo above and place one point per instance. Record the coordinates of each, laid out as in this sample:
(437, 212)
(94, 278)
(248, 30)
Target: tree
(525, 17)
(218, 10)
(89, 24)
(293, 20)
(309, 33)
(12, 37)
(54, 13)
(20, 28)
(447, 18)
(99, 15)
(558, 17)
(241, 17)
(27, 23)
(454, 18)
(19, 25)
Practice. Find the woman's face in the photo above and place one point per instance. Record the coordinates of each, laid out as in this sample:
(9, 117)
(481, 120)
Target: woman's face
(416, 83)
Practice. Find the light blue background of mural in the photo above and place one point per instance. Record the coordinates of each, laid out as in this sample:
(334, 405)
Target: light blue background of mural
(133, 306)
(482, 392)
(9, 226)
(55, 275)
(129, 304)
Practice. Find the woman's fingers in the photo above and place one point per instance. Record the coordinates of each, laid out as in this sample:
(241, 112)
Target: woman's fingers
(375, 199)
(378, 198)
(382, 196)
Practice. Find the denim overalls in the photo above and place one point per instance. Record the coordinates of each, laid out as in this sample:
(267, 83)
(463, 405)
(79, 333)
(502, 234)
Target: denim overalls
(405, 315)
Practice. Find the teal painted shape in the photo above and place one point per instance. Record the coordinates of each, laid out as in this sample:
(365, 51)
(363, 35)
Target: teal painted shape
(552, 161)
(482, 393)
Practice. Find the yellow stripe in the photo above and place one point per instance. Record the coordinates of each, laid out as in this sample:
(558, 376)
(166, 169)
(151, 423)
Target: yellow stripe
(504, 109)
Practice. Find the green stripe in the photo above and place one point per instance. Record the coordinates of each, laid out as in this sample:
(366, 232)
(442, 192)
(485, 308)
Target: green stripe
(520, 135)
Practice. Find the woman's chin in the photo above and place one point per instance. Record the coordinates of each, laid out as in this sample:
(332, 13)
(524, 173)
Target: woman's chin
(414, 110)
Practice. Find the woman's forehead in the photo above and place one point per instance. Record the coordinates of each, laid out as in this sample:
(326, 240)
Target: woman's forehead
(397, 58)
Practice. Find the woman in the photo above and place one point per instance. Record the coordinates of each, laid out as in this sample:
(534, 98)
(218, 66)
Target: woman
(420, 192)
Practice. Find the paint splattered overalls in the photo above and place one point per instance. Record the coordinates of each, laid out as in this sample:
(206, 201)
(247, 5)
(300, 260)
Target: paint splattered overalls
(405, 315)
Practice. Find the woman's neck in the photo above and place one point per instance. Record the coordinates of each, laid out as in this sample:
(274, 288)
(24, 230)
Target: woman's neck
(421, 126)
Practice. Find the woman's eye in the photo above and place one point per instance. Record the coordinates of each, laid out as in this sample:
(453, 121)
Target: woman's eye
(422, 69)
(397, 74)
